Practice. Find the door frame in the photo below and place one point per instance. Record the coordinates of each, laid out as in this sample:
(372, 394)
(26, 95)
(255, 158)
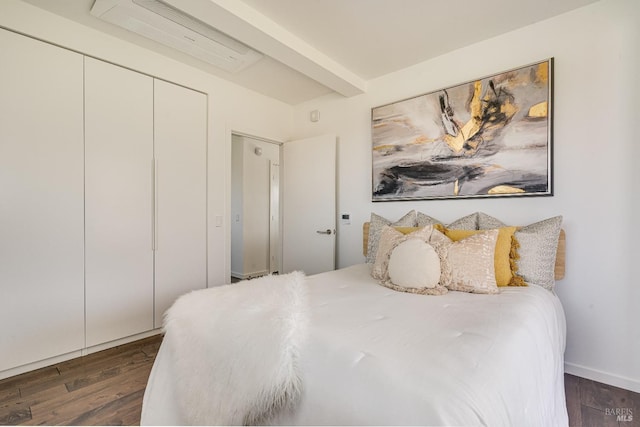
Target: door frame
(230, 132)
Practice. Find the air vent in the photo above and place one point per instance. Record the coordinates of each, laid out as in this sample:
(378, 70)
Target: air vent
(171, 27)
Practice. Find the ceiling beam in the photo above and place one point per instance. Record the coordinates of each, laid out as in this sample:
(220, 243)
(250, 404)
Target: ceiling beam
(238, 20)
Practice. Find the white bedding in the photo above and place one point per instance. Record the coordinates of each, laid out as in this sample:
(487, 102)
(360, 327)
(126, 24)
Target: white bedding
(377, 356)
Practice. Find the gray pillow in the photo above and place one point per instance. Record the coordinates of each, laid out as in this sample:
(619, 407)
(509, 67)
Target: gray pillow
(468, 222)
(538, 247)
(537, 251)
(375, 228)
(487, 222)
(423, 220)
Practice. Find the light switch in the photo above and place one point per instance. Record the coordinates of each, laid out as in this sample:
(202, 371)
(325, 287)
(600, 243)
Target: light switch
(345, 219)
(218, 221)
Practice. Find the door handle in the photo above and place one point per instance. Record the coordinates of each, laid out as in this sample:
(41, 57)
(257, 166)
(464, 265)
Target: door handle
(327, 231)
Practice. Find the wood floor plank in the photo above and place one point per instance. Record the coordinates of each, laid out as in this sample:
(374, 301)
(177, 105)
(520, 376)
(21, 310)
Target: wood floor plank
(105, 356)
(8, 394)
(15, 417)
(120, 367)
(65, 408)
(95, 361)
(592, 417)
(29, 377)
(599, 396)
(16, 409)
(572, 393)
(111, 413)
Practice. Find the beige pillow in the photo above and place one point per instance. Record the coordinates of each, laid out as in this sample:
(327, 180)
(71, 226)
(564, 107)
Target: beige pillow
(468, 264)
(414, 263)
(390, 239)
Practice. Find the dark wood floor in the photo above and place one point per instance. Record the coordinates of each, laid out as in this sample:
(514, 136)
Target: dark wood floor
(593, 404)
(103, 388)
(106, 388)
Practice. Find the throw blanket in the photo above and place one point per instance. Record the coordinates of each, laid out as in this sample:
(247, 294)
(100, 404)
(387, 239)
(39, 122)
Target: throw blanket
(235, 349)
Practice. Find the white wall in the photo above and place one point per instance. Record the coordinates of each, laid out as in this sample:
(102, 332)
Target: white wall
(231, 108)
(595, 151)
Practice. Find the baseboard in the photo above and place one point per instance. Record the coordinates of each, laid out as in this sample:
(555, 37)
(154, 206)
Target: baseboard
(602, 377)
(243, 276)
(240, 276)
(121, 341)
(39, 364)
(74, 354)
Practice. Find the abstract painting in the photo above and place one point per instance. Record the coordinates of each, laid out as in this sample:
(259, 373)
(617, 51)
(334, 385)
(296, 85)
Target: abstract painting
(490, 137)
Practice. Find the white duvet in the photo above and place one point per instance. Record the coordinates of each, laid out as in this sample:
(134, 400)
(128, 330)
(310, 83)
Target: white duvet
(377, 356)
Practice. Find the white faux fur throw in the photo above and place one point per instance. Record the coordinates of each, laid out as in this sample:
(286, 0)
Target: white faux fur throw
(235, 349)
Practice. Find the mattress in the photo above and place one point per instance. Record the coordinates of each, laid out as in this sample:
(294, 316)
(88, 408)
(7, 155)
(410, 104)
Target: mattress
(375, 356)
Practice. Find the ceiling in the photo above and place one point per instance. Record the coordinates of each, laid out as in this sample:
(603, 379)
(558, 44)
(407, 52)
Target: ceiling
(315, 47)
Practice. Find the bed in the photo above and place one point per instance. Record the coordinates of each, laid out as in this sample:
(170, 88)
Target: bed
(374, 356)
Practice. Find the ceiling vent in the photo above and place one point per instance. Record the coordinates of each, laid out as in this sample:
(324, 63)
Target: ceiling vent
(171, 27)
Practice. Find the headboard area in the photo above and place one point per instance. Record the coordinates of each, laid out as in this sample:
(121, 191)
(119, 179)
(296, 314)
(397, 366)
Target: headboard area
(560, 254)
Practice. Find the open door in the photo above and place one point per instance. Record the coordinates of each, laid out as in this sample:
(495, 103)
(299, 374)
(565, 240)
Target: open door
(309, 205)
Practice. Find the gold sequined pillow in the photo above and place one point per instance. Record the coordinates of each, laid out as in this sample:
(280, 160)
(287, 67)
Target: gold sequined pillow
(505, 254)
(468, 264)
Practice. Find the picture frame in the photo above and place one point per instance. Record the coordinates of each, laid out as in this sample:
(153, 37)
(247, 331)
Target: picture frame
(489, 137)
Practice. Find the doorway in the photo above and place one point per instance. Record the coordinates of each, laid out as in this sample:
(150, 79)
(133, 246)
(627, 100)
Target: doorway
(255, 207)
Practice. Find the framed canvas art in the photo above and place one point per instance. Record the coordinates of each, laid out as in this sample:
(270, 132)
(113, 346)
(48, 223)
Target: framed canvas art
(490, 137)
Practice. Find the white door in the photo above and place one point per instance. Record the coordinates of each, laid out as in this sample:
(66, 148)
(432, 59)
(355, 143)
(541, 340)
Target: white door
(41, 201)
(309, 205)
(118, 202)
(180, 124)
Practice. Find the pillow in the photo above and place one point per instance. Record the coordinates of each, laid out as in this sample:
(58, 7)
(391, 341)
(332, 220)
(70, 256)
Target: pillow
(416, 266)
(422, 220)
(538, 248)
(389, 238)
(538, 245)
(468, 264)
(375, 227)
(406, 230)
(487, 222)
(505, 254)
(468, 222)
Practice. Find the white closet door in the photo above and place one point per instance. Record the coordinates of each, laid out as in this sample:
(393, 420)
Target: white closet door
(181, 185)
(119, 203)
(41, 201)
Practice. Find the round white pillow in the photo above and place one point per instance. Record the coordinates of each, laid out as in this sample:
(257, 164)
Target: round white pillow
(414, 264)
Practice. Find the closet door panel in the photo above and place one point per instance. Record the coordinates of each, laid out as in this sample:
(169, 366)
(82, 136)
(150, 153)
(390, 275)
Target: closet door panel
(181, 223)
(41, 201)
(119, 203)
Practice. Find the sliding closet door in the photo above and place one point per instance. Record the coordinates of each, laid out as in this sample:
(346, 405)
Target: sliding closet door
(119, 203)
(41, 201)
(181, 205)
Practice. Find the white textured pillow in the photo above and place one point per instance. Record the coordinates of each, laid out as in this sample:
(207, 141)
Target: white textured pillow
(414, 264)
